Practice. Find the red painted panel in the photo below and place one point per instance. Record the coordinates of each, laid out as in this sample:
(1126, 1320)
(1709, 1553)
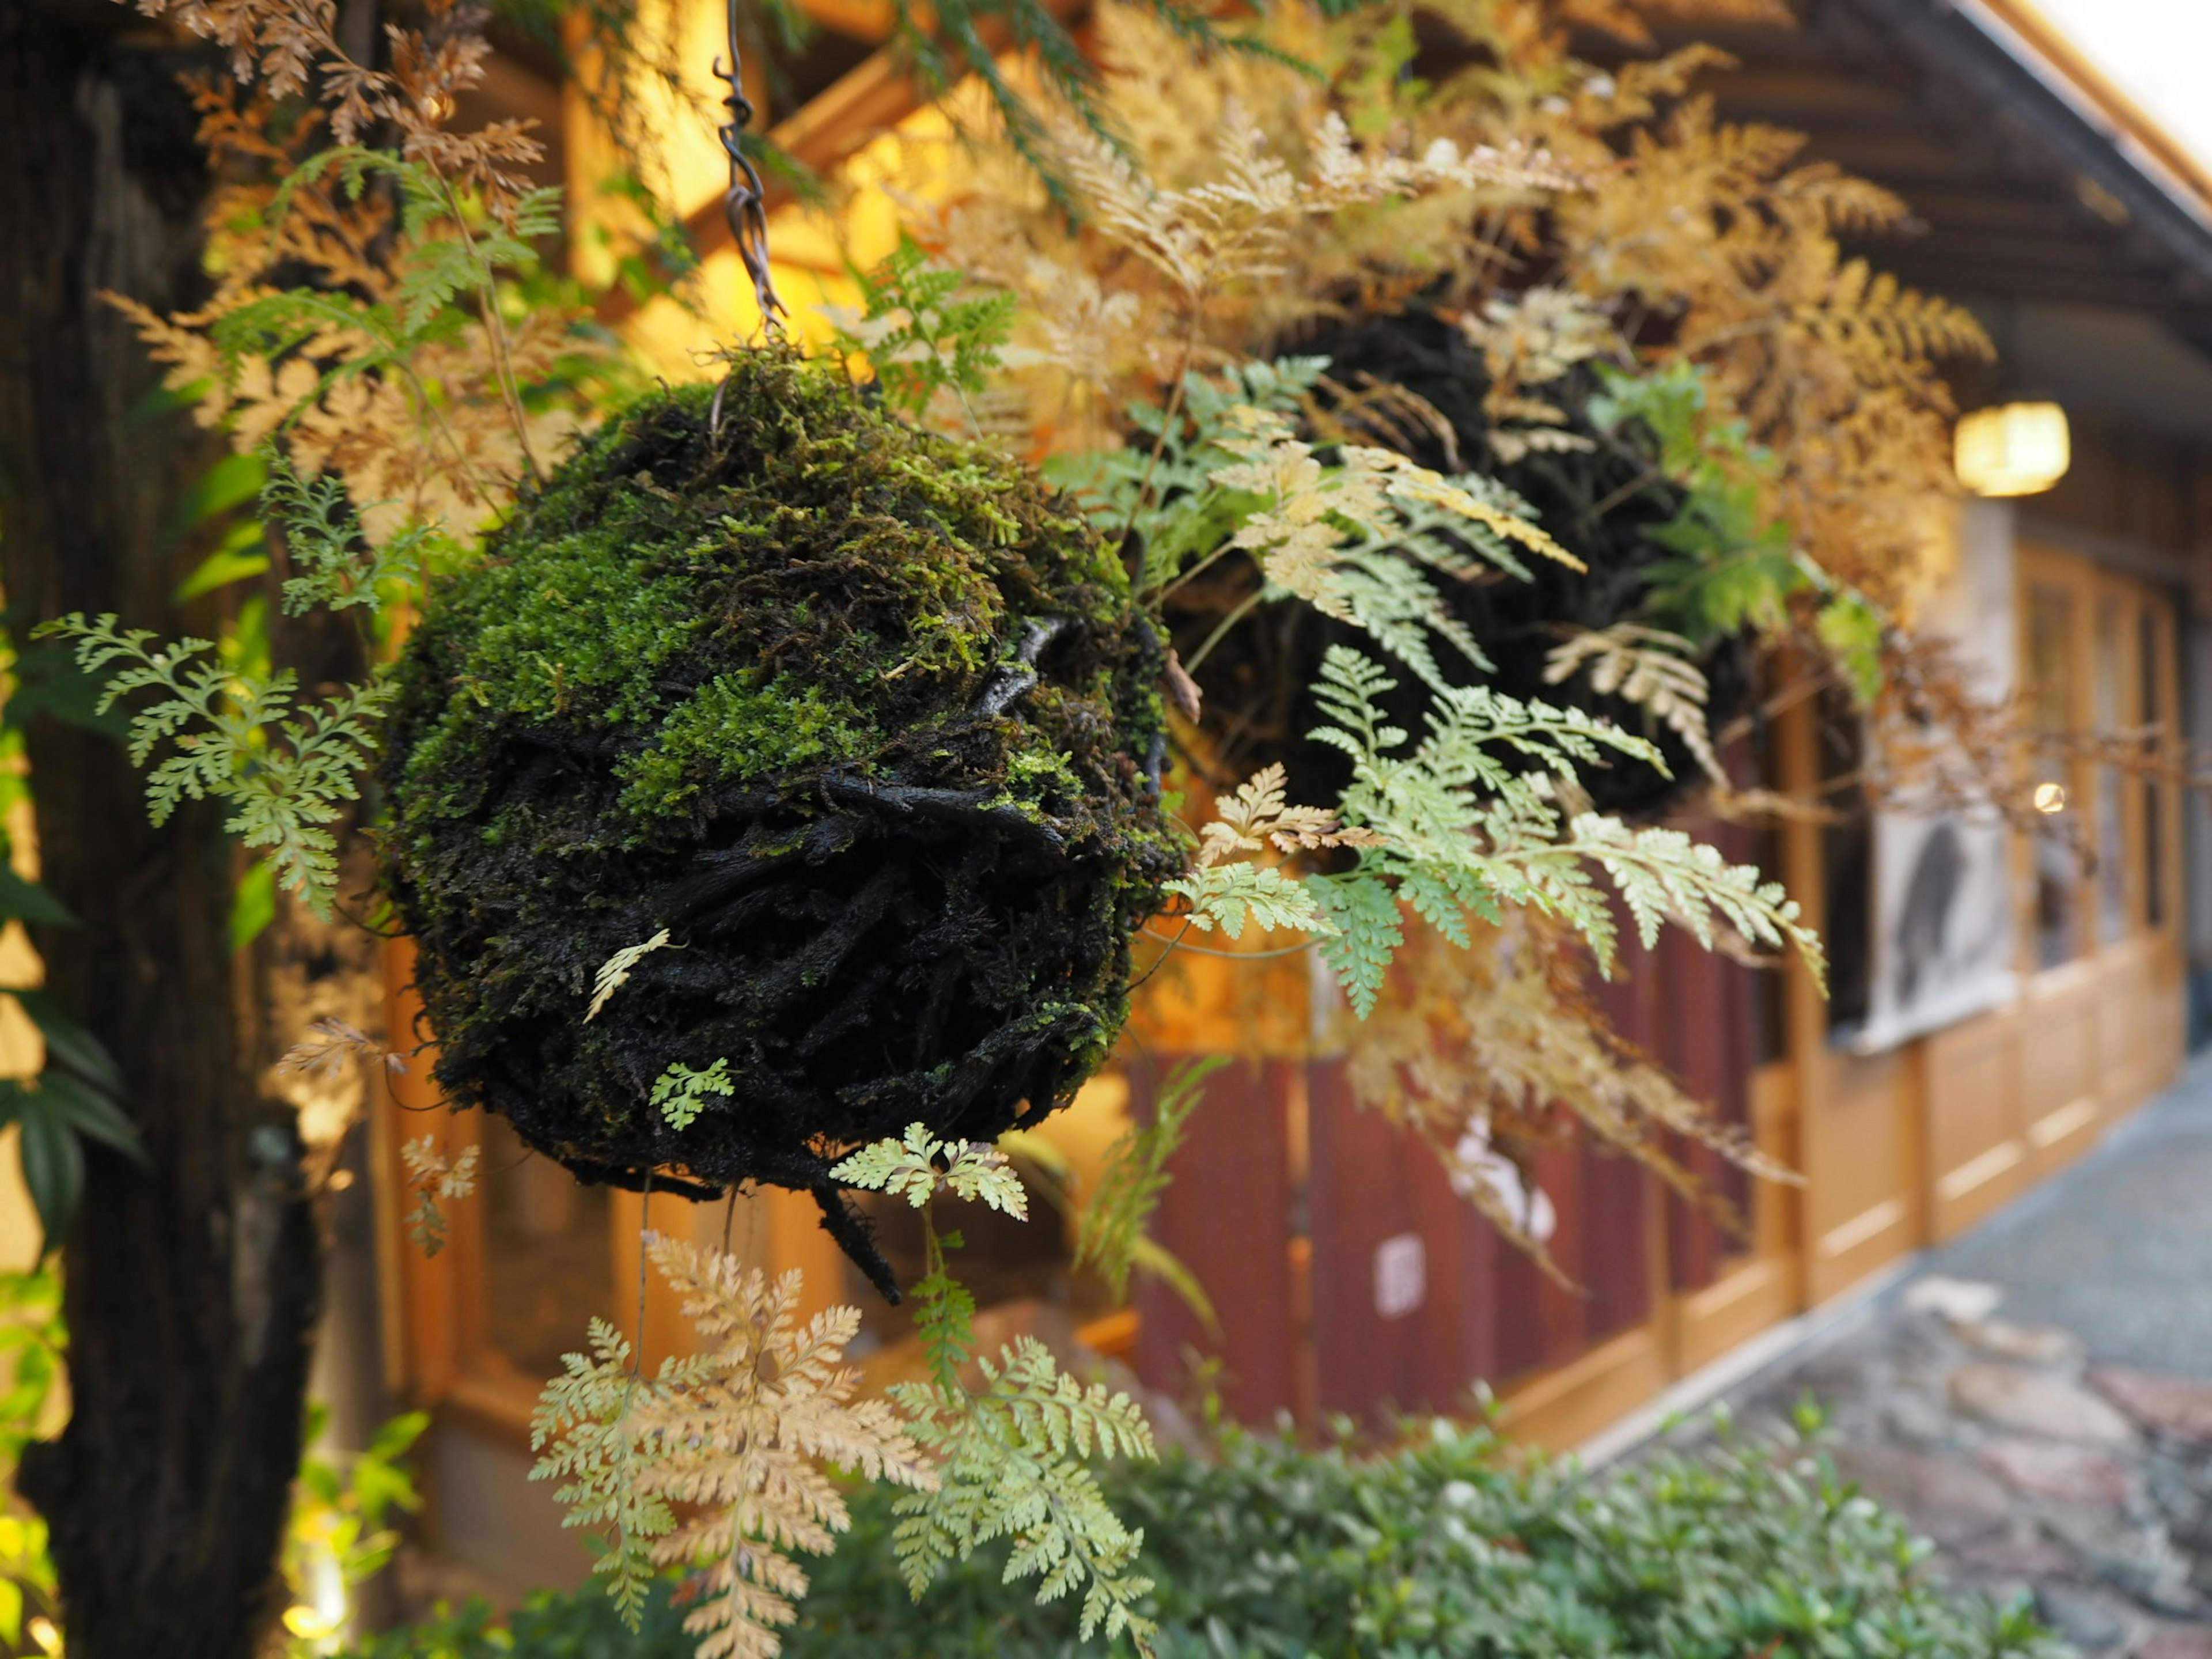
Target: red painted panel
(1227, 1215)
(1403, 1307)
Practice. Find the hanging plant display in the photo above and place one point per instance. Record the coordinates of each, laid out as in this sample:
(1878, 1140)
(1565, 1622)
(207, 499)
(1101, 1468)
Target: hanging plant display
(772, 788)
(783, 776)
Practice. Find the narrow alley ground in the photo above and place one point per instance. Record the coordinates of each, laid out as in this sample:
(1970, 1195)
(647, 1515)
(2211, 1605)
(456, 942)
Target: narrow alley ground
(2038, 1396)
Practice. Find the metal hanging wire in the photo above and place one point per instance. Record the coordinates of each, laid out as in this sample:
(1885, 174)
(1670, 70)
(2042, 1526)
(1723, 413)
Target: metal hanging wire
(745, 202)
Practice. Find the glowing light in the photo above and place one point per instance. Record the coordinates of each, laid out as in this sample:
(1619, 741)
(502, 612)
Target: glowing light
(322, 1616)
(2050, 797)
(2014, 449)
(43, 1630)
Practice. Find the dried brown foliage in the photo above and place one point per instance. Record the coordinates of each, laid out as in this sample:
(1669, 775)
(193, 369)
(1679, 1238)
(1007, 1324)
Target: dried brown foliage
(345, 181)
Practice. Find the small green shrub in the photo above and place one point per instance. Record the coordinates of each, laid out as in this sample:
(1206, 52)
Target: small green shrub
(1446, 1548)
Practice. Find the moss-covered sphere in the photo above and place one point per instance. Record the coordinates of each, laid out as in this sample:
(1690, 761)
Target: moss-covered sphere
(862, 716)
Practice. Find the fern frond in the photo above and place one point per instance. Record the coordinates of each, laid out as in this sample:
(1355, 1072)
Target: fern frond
(236, 738)
(917, 1166)
(432, 1177)
(588, 1431)
(680, 1093)
(614, 973)
(1114, 1221)
(716, 1463)
(1011, 1464)
(1647, 667)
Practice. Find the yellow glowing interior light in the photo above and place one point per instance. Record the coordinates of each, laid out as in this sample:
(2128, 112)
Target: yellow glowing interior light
(44, 1632)
(2013, 449)
(2050, 797)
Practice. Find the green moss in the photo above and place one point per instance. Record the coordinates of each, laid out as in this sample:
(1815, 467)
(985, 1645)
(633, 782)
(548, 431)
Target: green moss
(862, 714)
(731, 730)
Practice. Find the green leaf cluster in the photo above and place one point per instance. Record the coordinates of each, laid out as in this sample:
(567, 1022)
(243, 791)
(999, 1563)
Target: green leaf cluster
(343, 1502)
(1013, 1461)
(917, 1166)
(78, 1096)
(1158, 490)
(1230, 895)
(287, 771)
(925, 329)
(339, 567)
(32, 1340)
(1451, 1545)
(680, 1093)
(1465, 821)
(1734, 564)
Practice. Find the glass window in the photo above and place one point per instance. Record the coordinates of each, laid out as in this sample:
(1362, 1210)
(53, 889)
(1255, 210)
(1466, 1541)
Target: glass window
(2115, 915)
(2150, 665)
(548, 1252)
(2051, 681)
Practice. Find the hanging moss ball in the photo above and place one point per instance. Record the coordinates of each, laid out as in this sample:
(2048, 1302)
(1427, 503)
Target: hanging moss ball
(861, 718)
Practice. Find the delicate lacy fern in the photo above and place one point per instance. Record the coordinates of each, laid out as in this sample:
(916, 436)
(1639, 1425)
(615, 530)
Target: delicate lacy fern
(914, 1168)
(1461, 828)
(1011, 1464)
(340, 566)
(714, 1463)
(1162, 491)
(1650, 668)
(1230, 895)
(1114, 1221)
(924, 330)
(431, 1177)
(1661, 876)
(1340, 537)
(680, 1092)
(1223, 890)
(588, 1428)
(738, 1440)
(614, 973)
(286, 771)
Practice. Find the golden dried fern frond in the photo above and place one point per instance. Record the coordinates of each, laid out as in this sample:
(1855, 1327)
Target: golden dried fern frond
(1650, 668)
(718, 1462)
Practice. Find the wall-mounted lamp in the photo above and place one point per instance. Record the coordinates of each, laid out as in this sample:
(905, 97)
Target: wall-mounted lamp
(2012, 449)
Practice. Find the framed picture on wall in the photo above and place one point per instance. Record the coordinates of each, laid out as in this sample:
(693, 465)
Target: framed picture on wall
(1944, 942)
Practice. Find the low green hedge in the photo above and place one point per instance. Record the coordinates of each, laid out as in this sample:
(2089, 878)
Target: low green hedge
(1446, 1548)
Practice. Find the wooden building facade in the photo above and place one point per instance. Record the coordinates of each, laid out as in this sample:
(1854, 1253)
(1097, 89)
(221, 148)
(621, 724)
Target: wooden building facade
(1347, 1275)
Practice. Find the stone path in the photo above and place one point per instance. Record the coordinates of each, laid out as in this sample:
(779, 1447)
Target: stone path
(2087, 1486)
(2039, 1401)
(2119, 1249)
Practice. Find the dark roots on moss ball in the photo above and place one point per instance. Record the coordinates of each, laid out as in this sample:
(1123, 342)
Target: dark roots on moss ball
(862, 716)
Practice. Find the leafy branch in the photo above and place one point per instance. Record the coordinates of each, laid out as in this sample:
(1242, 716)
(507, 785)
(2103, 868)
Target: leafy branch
(1114, 1223)
(1011, 1458)
(286, 771)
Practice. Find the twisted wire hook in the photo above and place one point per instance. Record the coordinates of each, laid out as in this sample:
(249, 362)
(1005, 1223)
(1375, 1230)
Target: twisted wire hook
(745, 201)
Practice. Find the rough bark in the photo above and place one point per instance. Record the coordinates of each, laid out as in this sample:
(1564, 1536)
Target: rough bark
(192, 1286)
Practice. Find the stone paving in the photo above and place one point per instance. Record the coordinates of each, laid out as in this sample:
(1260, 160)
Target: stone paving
(2033, 1469)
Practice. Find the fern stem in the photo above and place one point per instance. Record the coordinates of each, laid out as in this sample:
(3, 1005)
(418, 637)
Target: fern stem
(502, 356)
(1179, 943)
(1168, 419)
(1250, 603)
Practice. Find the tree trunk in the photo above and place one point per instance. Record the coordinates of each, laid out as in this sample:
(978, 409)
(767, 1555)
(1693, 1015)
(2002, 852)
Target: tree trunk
(191, 1287)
